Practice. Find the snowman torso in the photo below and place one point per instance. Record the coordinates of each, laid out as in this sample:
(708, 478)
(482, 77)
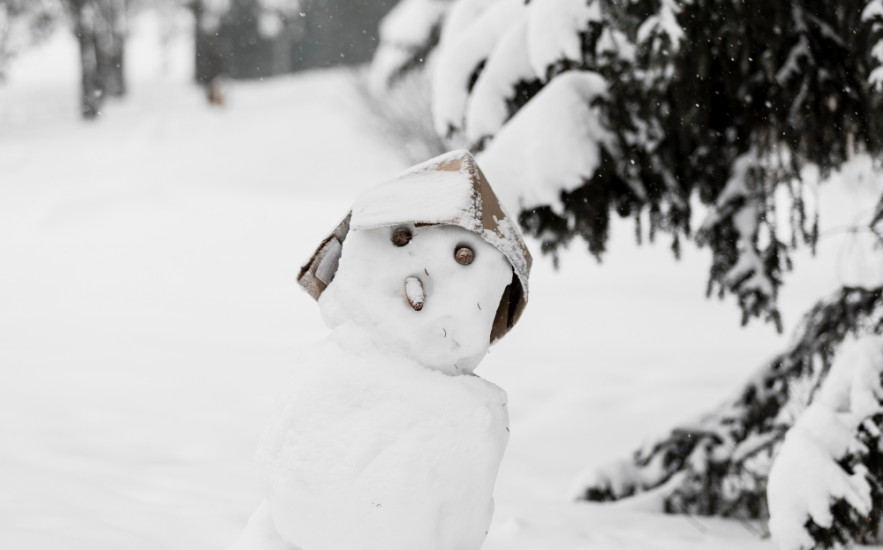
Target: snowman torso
(371, 450)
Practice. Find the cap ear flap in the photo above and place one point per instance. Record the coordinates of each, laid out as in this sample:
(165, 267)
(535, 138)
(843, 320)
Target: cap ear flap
(319, 271)
(512, 303)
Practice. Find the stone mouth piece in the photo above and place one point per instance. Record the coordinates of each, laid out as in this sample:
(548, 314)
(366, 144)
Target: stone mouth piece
(414, 293)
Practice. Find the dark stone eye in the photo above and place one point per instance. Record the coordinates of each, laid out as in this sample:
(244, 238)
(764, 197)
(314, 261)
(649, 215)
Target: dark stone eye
(401, 236)
(464, 255)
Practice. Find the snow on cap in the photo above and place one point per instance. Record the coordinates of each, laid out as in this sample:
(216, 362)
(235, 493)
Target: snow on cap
(447, 190)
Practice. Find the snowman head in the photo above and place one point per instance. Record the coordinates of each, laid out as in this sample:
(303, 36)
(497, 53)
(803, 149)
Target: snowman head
(428, 264)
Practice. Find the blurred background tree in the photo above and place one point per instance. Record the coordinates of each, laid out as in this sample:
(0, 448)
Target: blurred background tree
(260, 38)
(235, 39)
(23, 23)
(100, 27)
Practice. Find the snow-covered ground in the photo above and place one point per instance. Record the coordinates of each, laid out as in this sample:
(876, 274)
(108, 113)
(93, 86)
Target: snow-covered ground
(149, 311)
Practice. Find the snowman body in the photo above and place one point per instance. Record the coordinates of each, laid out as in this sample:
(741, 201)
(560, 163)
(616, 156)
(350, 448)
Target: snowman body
(373, 451)
(384, 439)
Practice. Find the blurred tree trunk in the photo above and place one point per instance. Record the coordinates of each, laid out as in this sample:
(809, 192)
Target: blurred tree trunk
(209, 45)
(100, 28)
(198, 23)
(4, 41)
(83, 14)
(112, 46)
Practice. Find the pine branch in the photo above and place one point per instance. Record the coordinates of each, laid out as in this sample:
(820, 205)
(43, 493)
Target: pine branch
(719, 464)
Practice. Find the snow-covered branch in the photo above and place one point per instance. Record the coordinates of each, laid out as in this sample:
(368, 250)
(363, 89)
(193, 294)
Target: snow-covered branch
(826, 484)
(407, 36)
(718, 464)
(710, 100)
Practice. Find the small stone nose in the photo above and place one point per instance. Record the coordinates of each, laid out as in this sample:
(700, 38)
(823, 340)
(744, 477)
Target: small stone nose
(414, 293)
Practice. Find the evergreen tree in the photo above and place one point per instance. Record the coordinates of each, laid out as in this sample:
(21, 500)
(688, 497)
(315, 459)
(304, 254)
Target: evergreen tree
(589, 107)
(720, 463)
(826, 484)
(723, 100)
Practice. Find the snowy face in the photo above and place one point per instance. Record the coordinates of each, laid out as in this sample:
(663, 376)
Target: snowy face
(428, 292)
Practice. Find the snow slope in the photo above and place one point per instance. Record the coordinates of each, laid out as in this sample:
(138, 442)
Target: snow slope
(148, 311)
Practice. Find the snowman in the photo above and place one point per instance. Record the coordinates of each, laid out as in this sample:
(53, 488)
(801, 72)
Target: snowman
(384, 439)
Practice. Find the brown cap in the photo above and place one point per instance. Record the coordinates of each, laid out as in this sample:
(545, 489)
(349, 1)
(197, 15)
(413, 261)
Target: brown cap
(447, 190)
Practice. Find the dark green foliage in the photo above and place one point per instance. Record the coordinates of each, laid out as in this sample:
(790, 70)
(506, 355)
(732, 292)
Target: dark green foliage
(878, 218)
(522, 93)
(417, 55)
(585, 211)
(722, 460)
(781, 84)
(721, 100)
(849, 525)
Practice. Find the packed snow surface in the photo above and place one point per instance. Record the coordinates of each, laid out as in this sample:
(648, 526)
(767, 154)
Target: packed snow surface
(149, 315)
